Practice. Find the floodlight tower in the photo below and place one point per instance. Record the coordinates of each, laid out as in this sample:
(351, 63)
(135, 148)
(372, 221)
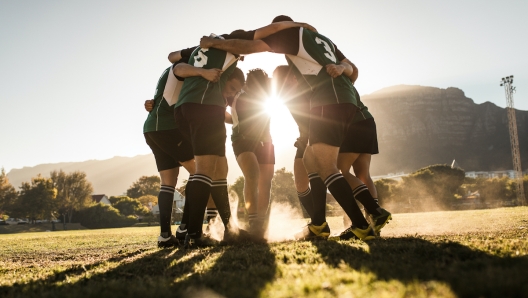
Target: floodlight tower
(514, 138)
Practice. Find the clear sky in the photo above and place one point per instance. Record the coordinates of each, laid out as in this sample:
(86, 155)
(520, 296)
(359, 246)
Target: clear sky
(74, 74)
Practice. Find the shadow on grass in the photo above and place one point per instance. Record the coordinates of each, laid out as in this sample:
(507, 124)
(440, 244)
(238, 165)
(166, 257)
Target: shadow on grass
(241, 271)
(468, 272)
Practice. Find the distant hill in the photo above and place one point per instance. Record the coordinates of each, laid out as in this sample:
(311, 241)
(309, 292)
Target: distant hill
(417, 126)
(111, 176)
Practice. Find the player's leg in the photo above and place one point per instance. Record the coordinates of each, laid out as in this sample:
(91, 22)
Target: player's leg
(266, 158)
(318, 188)
(168, 169)
(207, 133)
(344, 163)
(302, 182)
(327, 134)
(250, 169)
(359, 144)
(219, 194)
(362, 169)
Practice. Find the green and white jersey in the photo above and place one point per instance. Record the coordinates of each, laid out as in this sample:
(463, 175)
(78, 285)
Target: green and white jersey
(250, 121)
(308, 53)
(201, 91)
(162, 115)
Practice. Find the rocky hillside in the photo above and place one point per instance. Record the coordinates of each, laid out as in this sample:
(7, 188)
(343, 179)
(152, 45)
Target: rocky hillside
(420, 126)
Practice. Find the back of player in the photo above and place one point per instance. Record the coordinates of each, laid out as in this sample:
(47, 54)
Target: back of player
(170, 152)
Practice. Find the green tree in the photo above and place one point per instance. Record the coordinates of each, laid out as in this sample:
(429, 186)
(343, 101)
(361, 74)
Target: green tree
(384, 188)
(237, 188)
(103, 216)
(146, 199)
(38, 199)
(129, 206)
(73, 191)
(283, 188)
(440, 182)
(8, 194)
(145, 185)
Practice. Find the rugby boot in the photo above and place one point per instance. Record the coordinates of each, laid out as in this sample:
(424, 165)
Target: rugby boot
(181, 233)
(202, 241)
(379, 221)
(170, 241)
(313, 232)
(355, 233)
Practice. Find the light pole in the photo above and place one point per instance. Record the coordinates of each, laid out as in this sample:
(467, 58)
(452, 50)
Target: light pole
(514, 138)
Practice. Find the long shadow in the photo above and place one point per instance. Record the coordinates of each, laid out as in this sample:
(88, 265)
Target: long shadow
(468, 272)
(162, 273)
(241, 271)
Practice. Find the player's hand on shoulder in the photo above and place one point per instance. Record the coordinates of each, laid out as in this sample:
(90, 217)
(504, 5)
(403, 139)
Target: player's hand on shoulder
(149, 104)
(212, 75)
(206, 42)
(308, 26)
(334, 70)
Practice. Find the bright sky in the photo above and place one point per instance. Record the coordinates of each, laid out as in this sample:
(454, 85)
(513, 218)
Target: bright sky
(74, 74)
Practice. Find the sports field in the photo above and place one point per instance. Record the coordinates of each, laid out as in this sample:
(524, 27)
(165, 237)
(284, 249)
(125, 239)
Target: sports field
(481, 253)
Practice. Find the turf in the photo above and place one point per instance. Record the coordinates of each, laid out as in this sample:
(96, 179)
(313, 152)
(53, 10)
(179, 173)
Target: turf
(480, 253)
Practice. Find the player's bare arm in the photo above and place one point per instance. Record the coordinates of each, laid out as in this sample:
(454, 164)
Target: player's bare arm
(185, 70)
(174, 56)
(355, 72)
(235, 46)
(149, 105)
(270, 29)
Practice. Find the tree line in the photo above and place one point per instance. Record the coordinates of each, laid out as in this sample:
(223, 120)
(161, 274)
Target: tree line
(440, 187)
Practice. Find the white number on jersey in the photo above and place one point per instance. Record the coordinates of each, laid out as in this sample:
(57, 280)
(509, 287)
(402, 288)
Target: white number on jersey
(328, 53)
(200, 59)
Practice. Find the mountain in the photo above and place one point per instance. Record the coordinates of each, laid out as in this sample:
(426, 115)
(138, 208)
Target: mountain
(419, 126)
(111, 176)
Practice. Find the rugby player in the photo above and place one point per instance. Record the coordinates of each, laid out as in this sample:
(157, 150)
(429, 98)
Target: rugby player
(254, 149)
(170, 150)
(333, 105)
(360, 144)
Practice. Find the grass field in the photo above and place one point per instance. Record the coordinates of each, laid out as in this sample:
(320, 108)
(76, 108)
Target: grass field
(481, 253)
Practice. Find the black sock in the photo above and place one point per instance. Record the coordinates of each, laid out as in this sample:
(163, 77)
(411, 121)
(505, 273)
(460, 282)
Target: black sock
(185, 215)
(221, 200)
(318, 190)
(306, 200)
(198, 191)
(342, 193)
(362, 194)
(211, 213)
(165, 201)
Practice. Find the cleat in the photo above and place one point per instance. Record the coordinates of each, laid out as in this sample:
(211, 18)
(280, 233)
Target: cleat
(168, 242)
(313, 232)
(180, 234)
(379, 221)
(202, 241)
(257, 229)
(355, 233)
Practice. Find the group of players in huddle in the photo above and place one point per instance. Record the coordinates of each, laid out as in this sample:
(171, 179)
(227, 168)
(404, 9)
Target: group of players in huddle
(185, 127)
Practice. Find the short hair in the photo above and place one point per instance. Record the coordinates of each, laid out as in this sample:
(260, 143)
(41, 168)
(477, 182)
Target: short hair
(237, 75)
(258, 82)
(282, 18)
